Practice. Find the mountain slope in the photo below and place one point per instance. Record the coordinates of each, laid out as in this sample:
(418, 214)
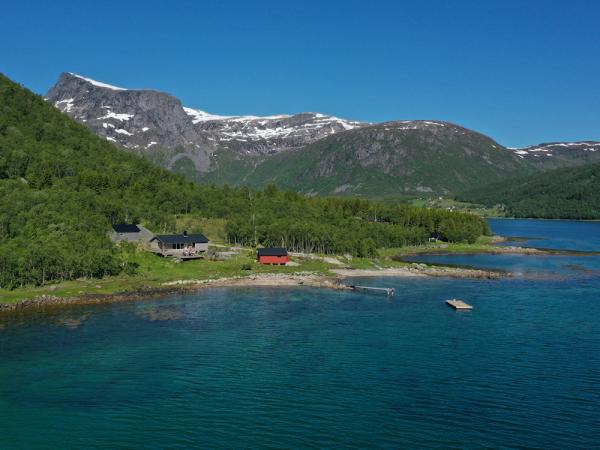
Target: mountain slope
(391, 159)
(567, 193)
(157, 126)
(309, 152)
(555, 155)
(60, 189)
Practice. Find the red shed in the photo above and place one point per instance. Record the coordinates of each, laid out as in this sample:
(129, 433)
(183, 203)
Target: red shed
(273, 255)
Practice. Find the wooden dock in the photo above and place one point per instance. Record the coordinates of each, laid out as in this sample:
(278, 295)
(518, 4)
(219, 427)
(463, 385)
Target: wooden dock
(374, 290)
(459, 305)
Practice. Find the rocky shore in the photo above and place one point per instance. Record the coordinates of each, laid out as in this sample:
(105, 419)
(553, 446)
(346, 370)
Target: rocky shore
(422, 270)
(181, 287)
(309, 279)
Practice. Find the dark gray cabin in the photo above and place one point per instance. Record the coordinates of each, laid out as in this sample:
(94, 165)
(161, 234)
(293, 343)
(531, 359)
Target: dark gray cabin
(182, 246)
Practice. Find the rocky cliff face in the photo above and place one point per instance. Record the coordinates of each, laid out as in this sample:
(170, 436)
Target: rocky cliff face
(271, 134)
(157, 125)
(143, 121)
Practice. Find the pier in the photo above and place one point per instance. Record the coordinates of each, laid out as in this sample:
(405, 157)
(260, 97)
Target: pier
(459, 305)
(374, 290)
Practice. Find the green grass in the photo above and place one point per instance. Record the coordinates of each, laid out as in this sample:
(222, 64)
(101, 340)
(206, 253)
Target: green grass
(213, 229)
(483, 244)
(383, 261)
(153, 271)
(455, 205)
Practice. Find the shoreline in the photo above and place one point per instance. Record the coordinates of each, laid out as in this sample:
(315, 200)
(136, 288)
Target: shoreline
(494, 250)
(300, 279)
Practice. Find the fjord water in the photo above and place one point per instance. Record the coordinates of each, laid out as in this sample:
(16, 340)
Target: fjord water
(314, 368)
(577, 240)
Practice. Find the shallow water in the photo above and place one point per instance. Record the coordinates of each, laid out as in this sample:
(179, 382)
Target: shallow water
(299, 367)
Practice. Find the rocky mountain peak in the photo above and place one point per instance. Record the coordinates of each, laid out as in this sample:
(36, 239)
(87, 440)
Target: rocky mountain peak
(158, 125)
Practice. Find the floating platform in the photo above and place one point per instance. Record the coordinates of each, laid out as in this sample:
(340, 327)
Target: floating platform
(459, 305)
(374, 290)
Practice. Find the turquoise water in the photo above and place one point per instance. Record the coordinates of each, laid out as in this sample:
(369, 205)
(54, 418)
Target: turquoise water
(300, 367)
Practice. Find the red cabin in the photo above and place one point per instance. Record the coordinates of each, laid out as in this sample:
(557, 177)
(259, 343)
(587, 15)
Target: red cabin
(273, 256)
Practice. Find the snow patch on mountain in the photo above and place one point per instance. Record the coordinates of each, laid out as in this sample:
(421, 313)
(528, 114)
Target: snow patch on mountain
(98, 83)
(65, 105)
(117, 116)
(202, 116)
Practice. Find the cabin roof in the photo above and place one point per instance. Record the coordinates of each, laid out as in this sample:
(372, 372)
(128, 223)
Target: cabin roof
(272, 251)
(181, 238)
(126, 228)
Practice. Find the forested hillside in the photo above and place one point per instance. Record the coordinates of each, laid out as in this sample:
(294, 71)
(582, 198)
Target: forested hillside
(61, 187)
(570, 193)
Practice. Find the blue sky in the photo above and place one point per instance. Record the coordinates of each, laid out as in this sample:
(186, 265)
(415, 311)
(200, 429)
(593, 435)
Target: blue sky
(522, 72)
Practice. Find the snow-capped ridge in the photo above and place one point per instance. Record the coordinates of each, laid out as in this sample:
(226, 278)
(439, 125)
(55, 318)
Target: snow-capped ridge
(202, 116)
(98, 83)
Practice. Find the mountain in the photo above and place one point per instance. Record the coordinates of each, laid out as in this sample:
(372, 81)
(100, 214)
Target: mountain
(312, 153)
(157, 126)
(567, 193)
(390, 159)
(555, 155)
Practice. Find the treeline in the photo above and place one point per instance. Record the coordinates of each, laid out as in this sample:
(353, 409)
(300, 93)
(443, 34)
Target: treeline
(61, 187)
(569, 193)
(334, 225)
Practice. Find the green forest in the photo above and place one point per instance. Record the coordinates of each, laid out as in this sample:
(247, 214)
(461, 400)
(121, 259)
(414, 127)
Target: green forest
(570, 193)
(61, 187)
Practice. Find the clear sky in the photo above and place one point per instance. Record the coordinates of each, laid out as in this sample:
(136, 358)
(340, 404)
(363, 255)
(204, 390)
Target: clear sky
(522, 72)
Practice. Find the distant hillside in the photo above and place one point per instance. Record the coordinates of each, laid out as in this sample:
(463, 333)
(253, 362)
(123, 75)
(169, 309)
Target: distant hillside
(390, 159)
(569, 193)
(556, 155)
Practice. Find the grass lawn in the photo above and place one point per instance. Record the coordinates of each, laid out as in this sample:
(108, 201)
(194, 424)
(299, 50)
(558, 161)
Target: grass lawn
(483, 244)
(455, 205)
(153, 271)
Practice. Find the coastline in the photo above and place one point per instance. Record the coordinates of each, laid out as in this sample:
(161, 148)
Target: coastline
(299, 279)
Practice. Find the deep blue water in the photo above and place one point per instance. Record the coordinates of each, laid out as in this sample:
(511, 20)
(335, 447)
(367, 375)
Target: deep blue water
(551, 234)
(546, 234)
(302, 367)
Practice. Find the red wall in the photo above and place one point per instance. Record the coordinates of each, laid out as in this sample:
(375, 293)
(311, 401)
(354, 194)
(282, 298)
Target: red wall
(273, 259)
